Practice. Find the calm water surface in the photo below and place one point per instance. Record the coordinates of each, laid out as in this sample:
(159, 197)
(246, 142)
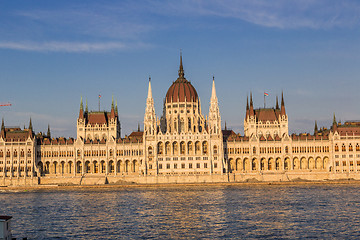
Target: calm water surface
(191, 212)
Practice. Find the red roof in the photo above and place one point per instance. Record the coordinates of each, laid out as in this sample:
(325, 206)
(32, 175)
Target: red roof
(267, 114)
(99, 118)
(180, 91)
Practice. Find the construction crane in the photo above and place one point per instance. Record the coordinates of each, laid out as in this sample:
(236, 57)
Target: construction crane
(5, 104)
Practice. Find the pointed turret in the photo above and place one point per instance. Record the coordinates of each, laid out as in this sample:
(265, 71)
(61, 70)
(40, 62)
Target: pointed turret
(138, 127)
(334, 125)
(225, 126)
(48, 132)
(3, 129)
(149, 117)
(86, 107)
(315, 128)
(112, 113)
(247, 107)
(149, 89)
(251, 109)
(283, 112)
(214, 112)
(181, 69)
(30, 125)
(277, 103)
(213, 92)
(81, 112)
(116, 108)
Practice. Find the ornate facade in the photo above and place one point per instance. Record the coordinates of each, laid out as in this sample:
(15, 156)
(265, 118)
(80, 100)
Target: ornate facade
(182, 142)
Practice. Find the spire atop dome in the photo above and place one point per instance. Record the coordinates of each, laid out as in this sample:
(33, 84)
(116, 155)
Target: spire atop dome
(181, 68)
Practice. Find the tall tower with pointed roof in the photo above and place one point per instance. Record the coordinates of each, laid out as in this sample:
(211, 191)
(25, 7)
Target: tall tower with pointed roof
(150, 117)
(266, 121)
(183, 133)
(97, 125)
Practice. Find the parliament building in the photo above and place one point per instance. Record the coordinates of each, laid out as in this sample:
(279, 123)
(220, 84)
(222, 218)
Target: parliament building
(181, 146)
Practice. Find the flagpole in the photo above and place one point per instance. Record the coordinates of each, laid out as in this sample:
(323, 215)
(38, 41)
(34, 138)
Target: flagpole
(264, 99)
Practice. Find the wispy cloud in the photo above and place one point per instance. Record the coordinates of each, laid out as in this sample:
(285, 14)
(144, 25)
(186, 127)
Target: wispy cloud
(284, 14)
(69, 46)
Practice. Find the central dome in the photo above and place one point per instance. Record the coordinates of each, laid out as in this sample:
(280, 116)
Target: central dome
(181, 90)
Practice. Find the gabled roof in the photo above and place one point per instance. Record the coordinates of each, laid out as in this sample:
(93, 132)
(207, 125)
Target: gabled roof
(99, 118)
(16, 134)
(267, 114)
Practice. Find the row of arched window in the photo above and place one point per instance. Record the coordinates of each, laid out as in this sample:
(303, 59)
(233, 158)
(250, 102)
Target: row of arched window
(350, 147)
(182, 148)
(15, 153)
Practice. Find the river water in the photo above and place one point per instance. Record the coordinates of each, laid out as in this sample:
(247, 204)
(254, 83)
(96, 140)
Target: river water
(187, 212)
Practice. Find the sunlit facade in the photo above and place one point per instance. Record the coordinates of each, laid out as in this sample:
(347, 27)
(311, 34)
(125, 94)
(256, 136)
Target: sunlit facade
(182, 142)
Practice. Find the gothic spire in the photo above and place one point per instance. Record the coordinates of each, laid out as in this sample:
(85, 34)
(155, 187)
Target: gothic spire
(277, 103)
(30, 125)
(48, 131)
(213, 93)
(149, 89)
(315, 128)
(247, 107)
(247, 103)
(81, 112)
(251, 110)
(283, 112)
(2, 124)
(116, 107)
(86, 107)
(181, 69)
(112, 112)
(334, 120)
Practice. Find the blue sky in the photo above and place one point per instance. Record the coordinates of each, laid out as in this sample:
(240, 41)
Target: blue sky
(54, 52)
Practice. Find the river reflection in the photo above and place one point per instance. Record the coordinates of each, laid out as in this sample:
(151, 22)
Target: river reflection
(187, 212)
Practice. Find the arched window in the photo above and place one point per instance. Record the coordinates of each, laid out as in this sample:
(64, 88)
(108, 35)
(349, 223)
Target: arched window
(350, 147)
(150, 150)
(182, 148)
(160, 148)
(286, 149)
(215, 150)
(254, 150)
(205, 147)
(357, 147)
(182, 125)
(1, 153)
(167, 148)
(15, 153)
(336, 148)
(189, 124)
(22, 154)
(175, 148)
(190, 148)
(197, 147)
(343, 148)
